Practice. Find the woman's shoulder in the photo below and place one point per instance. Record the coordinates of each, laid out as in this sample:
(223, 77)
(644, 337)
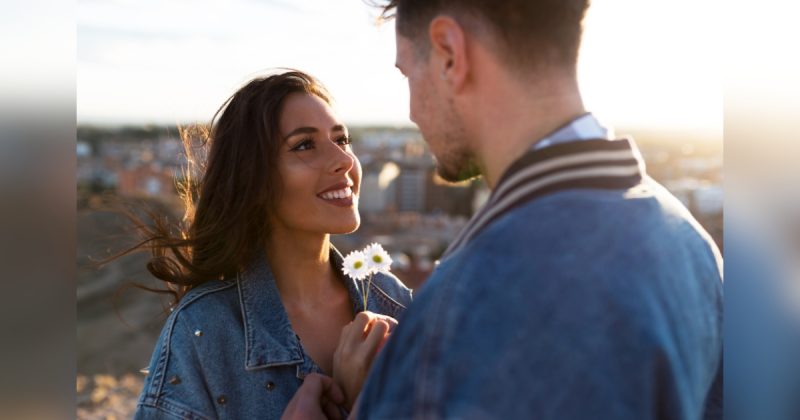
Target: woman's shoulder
(207, 304)
(389, 285)
(208, 299)
(175, 380)
(210, 304)
(208, 290)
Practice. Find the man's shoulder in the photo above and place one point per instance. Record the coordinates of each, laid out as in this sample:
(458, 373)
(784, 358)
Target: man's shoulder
(590, 239)
(593, 217)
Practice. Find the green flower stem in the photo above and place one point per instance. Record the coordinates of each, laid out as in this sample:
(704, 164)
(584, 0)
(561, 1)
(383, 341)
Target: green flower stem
(366, 294)
(363, 293)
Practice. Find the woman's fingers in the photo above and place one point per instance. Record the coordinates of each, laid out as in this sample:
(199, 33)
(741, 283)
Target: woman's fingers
(311, 401)
(354, 333)
(389, 320)
(359, 343)
(332, 391)
(331, 409)
(333, 397)
(383, 342)
(376, 333)
(361, 321)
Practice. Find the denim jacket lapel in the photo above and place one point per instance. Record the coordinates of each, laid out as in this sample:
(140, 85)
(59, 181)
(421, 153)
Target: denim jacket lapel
(378, 301)
(269, 338)
(353, 289)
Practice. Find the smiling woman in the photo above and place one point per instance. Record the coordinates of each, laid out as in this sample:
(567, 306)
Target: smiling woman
(319, 168)
(260, 298)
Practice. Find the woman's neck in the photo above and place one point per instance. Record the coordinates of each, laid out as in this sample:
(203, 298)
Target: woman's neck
(301, 266)
(316, 302)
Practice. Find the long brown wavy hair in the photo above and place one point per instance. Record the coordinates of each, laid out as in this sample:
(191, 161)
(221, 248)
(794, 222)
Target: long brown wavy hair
(226, 212)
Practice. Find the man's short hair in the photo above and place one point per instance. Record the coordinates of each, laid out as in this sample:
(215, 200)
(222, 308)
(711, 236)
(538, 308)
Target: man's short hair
(528, 33)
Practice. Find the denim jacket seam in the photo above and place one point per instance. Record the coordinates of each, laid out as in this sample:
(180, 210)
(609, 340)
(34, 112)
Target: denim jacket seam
(245, 325)
(423, 394)
(163, 360)
(427, 391)
(386, 296)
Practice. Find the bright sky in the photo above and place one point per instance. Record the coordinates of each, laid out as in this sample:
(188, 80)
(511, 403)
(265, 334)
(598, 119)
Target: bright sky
(644, 63)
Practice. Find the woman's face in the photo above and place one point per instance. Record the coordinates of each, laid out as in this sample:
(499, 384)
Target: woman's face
(321, 175)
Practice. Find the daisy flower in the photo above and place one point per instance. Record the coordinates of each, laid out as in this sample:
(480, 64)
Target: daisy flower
(355, 265)
(377, 258)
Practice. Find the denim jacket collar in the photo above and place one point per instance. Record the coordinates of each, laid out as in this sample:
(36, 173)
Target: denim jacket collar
(269, 338)
(588, 163)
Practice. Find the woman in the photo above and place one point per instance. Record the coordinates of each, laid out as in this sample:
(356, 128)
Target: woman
(261, 295)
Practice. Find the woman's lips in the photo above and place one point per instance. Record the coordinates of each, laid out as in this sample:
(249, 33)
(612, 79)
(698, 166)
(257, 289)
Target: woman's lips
(340, 202)
(341, 197)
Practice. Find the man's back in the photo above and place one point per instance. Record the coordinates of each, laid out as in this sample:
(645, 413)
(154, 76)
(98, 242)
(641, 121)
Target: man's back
(579, 304)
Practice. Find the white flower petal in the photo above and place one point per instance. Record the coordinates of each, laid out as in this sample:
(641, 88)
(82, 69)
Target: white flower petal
(377, 258)
(355, 265)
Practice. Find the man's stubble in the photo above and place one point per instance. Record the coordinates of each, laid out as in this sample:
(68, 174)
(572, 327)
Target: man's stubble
(456, 161)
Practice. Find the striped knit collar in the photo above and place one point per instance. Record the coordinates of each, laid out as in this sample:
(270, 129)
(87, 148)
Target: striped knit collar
(594, 164)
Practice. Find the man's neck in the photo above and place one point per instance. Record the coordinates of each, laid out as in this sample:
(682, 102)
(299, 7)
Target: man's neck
(520, 129)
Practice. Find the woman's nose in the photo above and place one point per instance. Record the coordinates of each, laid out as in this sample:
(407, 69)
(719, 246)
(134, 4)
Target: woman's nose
(342, 160)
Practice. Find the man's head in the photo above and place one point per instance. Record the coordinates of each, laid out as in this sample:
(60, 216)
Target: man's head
(526, 33)
(448, 75)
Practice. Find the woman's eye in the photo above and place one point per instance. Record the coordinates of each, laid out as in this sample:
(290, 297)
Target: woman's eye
(343, 141)
(306, 144)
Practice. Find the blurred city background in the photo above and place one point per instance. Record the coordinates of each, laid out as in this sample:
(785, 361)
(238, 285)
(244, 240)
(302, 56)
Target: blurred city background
(145, 67)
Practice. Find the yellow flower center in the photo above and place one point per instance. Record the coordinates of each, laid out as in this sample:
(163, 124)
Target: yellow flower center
(377, 259)
(358, 264)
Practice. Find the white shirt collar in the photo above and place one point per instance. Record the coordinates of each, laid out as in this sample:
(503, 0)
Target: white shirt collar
(585, 127)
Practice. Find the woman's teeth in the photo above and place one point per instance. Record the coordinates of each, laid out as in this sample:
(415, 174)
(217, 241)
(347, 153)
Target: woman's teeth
(333, 195)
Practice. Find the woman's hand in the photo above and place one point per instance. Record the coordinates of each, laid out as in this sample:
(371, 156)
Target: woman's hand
(317, 399)
(360, 341)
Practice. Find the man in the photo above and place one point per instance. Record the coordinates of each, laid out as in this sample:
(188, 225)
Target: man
(582, 289)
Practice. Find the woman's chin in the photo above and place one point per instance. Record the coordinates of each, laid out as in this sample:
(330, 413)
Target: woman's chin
(346, 227)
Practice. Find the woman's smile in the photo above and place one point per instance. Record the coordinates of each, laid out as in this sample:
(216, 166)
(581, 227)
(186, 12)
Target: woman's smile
(340, 195)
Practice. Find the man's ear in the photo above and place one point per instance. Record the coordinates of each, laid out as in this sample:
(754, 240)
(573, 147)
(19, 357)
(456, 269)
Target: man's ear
(449, 50)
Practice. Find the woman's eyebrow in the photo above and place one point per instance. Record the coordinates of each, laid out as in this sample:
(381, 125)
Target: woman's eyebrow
(311, 130)
(301, 130)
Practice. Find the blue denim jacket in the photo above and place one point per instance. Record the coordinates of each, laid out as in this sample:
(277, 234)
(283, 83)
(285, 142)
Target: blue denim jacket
(582, 303)
(228, 351)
